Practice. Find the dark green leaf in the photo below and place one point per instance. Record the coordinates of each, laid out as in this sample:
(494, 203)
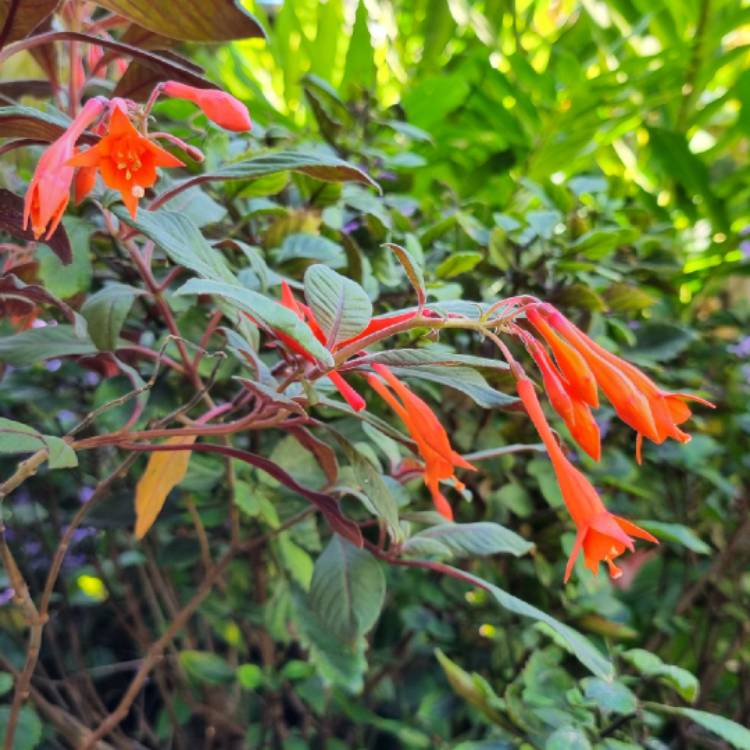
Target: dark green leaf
(340, 305)
(482, 538)
(39, 344)
(347, 590)
(262, 309)
(106, 312)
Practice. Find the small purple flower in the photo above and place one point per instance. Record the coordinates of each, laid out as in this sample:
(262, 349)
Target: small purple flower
(74, 561)
(745, 249)
(66, 415)
(53, 365)
(6, 596)
(84, 494)
(91, 379)
(741, 348)
(634, 325)
(351, 226)
(83, 533)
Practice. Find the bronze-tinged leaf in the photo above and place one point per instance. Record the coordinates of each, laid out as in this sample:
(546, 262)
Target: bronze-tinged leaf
(11, 221)
(18, 18)
(167, 65)
(164, 471)
(46, 55)
(17, 297)
(138, 81)
(38, 88)
(137, 36)
(203, 21)
(27, 122)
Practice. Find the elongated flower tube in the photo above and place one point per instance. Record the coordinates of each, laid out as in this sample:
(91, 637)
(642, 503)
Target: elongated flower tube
(638, 401)
(49, 191)
(126, 159)
(440, 460)
(581, 382)
(573, 410)
(600, 534)
(222, 108)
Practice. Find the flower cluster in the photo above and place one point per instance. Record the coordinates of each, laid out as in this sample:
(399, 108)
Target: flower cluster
(125, 156)
(572, 375)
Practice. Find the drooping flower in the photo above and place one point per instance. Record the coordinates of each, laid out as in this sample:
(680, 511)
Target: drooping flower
(440, 460)
(49, 190)
(126, 159)
(638, 401)
(222, 108)
(573, 410)
(601, 535)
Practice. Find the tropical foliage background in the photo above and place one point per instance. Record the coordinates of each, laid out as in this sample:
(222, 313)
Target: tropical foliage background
(592, 153)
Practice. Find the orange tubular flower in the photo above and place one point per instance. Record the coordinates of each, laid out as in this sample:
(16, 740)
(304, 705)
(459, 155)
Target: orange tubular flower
(638, 401)
(126, 159)
(49, 190)
(580, 380)
(574, 411)
(601, 535)
(224, 109)
(440, 460)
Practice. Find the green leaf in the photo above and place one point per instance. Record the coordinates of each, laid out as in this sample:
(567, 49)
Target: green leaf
(598, 243)
(372, 484)
(311, 247)
(16, 437)
(38, 344)
(337, 662)
(730, 731)
(676, 532)
(322, 166)
(650, 665)
(347, 590)
(295, 560)
(181, 240)
(413, 270)
(206, 21)
(577, 644)
(458, 263)
(660, 342)
(610, 697)
(6, 682)
(105, 313)
(250, 676)
(204, 666)
(473, 688)
(463, 379)
(359, 67)
(432, 356)
(66, 280)
(340, 305)
(28, 733)
(264, 310)
(482, 538)
(566, 738)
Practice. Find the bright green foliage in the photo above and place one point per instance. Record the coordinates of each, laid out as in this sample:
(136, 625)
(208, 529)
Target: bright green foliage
(593, 154)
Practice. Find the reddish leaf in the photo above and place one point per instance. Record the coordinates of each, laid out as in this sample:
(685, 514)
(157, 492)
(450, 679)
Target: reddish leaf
(18, 18)
(204, 21)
